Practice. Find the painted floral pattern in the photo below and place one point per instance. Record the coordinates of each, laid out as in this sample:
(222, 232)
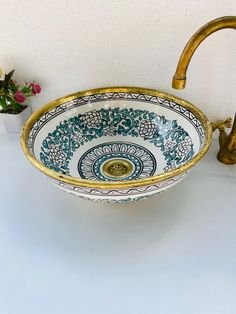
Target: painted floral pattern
(147, 128)
(58, 147)
(56, 155)
(91, 118)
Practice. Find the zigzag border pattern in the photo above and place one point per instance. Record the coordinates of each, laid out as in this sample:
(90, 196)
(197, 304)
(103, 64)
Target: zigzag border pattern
(115, 96)
(121, 192)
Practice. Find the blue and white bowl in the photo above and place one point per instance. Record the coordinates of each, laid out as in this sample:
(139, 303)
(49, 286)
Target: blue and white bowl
(116, 144)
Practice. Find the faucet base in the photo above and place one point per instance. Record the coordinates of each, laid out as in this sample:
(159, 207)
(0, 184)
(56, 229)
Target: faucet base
(224, 158)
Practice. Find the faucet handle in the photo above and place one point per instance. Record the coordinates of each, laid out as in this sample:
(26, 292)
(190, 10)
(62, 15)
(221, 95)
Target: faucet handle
(227, 152)
(221, 125)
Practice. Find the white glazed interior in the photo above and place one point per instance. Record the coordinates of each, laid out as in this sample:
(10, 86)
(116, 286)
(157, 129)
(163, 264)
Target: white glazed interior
(159, 106)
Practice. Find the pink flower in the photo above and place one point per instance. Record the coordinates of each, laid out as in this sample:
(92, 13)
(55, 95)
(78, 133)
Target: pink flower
(36, 88)
(19, 97)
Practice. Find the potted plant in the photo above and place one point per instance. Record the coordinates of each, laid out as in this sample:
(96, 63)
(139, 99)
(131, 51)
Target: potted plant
(13, 110)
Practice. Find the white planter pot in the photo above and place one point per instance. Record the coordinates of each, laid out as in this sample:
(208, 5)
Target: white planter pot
(14, 122)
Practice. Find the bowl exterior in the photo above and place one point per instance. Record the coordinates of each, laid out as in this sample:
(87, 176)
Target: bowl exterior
(119, 196)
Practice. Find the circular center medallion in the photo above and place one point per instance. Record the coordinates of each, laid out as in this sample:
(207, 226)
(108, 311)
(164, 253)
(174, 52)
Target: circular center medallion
(117, 168)
(116, 161)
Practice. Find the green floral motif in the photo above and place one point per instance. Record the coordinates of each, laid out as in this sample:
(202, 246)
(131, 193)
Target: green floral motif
(118, 201)
(58, 147)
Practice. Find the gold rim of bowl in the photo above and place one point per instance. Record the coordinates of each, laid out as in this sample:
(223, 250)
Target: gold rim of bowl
(115, 184)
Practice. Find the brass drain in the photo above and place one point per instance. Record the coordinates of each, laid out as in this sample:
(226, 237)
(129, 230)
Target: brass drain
(117, 168)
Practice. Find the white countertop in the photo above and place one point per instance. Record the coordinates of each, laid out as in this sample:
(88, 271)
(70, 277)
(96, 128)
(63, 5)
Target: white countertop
(175, 253)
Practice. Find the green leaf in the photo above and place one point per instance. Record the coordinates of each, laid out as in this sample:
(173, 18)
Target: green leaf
(3, 104)
(8, 79)
(16, 106)
(13, 87)
(9, 75)
(25, 89)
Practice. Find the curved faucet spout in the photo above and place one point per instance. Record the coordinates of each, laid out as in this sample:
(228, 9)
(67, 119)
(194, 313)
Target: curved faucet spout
(179, 79)
(227, 153)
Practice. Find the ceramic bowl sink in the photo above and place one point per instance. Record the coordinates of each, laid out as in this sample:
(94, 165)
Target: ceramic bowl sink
(116, 144)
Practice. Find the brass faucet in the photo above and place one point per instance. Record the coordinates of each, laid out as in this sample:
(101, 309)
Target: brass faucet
(227, 153)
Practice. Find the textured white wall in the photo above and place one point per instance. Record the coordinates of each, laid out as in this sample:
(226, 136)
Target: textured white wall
(72, 45)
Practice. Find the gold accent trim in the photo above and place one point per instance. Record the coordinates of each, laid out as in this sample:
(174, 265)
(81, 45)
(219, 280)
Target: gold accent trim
(117, 168)
(114, 184)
